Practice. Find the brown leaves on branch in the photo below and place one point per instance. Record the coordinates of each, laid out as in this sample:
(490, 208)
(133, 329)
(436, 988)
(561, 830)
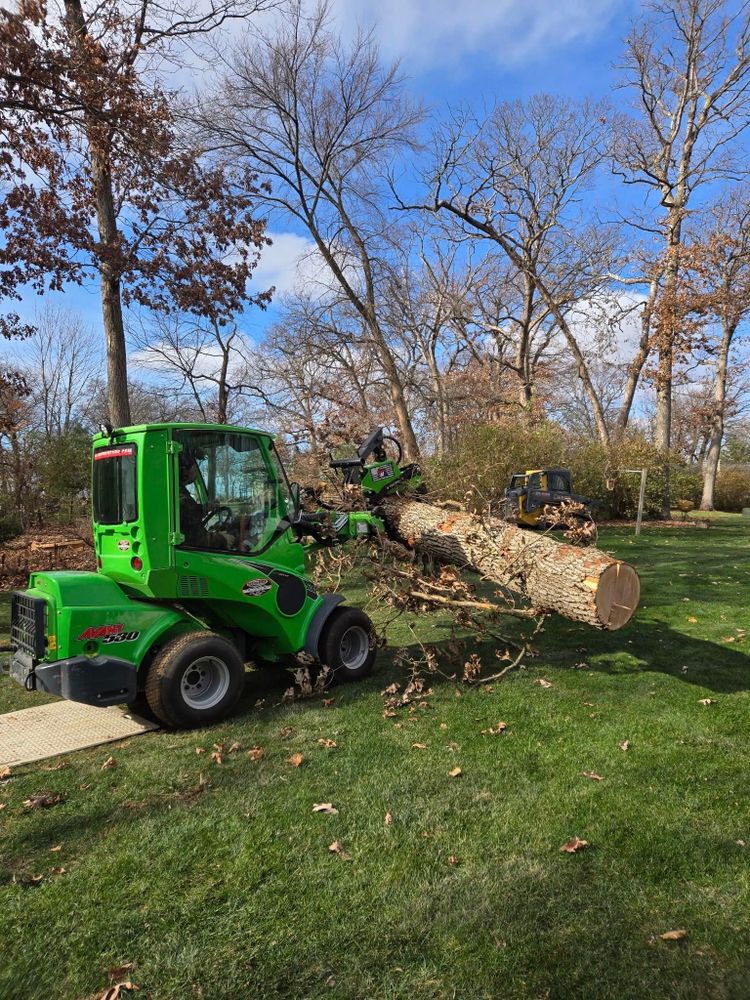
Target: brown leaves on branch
(85, 121)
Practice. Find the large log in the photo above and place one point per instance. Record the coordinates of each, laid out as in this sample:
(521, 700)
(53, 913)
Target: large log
(582, 584)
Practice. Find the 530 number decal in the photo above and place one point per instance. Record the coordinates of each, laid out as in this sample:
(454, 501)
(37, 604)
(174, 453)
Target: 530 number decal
(122, 637)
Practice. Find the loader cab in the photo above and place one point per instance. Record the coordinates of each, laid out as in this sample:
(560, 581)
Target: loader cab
(170, 501)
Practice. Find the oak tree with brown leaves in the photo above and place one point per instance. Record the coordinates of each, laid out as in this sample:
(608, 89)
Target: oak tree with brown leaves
(97, 180)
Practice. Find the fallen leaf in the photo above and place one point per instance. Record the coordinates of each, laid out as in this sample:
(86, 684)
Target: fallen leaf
(57, 767)
(109, 763)
(4, 773)
(389, 714)
(705, 701)
(324, 807)
(118, 971)
(327, 702)
(542, 682)
(43, 801)
(426, 834)
(3, 805)
(260, 703)
(391, 689)
(501, 727)
(329, 744)
(588, 704)
(625, 745)
(296, 760)
(455, 773)
(673, 935)
(593, 775)
(419, 746)
(692, 619)
(216, 756)
(337, 848)
(58, 871)
(286, 732)
(573, 845)
(200, 749)
(56, 848)
(388, 819)
(113, 992)
(727, 638)
(453, 860)
(234, 748)
(443, 725)
(256, 753)
(741, 843)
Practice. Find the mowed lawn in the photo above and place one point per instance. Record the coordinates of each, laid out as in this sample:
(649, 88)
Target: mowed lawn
(216, 881)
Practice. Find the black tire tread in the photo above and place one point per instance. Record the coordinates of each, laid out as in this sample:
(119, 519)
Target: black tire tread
(154, 678)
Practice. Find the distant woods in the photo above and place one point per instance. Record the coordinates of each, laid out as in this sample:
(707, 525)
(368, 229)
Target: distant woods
(546, 263)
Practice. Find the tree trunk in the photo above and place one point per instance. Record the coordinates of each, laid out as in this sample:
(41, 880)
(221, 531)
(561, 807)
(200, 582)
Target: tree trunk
(584, 585)
(636, 365)
(109, 236)
(711, 462)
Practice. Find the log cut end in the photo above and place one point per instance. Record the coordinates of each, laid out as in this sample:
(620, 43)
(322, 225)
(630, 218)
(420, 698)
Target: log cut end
(617, 595)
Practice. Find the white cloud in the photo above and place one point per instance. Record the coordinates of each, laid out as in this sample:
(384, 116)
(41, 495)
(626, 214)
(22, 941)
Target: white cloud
(291, 264)
(608, 327)
(433, 33)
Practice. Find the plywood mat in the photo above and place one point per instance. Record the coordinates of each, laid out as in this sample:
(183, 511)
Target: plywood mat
(62, 727)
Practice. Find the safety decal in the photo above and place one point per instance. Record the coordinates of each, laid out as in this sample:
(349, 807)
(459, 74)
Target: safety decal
(257, 588)
(382, 472)
(123, 545)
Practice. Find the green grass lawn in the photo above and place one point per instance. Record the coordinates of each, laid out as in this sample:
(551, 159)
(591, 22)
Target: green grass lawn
(232, 891)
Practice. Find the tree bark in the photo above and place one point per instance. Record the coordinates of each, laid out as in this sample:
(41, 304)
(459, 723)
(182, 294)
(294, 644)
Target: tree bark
(584, 585)
(106, 221)
(711, 462)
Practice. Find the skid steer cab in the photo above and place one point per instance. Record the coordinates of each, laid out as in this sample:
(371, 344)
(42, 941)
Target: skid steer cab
(200, 549)
(532, 496)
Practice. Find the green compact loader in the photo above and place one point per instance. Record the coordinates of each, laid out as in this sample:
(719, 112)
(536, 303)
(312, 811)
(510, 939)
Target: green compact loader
(200, 547)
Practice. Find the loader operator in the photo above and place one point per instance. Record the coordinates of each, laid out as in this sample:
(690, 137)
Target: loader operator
(192, 513)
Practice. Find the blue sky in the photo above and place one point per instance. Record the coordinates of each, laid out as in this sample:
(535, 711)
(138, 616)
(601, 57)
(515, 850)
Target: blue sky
(452, 53)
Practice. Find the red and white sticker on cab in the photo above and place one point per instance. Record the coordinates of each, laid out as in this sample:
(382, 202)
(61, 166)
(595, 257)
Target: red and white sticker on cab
(123, 451)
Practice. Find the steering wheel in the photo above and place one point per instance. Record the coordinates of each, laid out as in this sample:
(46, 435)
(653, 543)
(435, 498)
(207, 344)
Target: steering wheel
(224, 513)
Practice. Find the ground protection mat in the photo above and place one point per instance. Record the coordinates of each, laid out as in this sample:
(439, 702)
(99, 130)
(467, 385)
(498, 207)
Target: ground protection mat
(62, 727)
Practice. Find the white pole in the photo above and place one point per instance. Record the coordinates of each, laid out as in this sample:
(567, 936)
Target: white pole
(641, 499)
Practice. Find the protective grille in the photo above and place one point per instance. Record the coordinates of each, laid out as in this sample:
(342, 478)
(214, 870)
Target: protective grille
(192, 586)
(28, 625)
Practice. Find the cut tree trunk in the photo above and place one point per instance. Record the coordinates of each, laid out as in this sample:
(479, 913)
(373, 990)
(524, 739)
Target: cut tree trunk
(584, 585)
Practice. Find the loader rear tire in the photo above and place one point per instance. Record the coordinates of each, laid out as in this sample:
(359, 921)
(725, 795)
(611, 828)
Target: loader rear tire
(347, 645)
(195, 680)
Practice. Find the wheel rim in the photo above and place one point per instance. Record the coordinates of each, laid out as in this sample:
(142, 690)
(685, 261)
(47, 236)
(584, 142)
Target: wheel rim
(205, 682)
(355, 646)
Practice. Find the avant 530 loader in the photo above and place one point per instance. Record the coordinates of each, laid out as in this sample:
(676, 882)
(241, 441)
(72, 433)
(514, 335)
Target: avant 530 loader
(200, 555)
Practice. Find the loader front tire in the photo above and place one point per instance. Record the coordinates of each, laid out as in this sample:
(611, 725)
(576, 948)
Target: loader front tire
(195, 680)
(347, 645)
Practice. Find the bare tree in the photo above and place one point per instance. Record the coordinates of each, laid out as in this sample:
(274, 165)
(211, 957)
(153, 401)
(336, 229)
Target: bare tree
(688, 64)
(712, 299)
(425, 305)
(200, 361)
(63, 364)
(516, 179)
(320, 122)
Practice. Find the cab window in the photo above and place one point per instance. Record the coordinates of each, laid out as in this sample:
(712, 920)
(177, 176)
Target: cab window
(535, 481)
(557, 481)
(232, 496)
(114, 488)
